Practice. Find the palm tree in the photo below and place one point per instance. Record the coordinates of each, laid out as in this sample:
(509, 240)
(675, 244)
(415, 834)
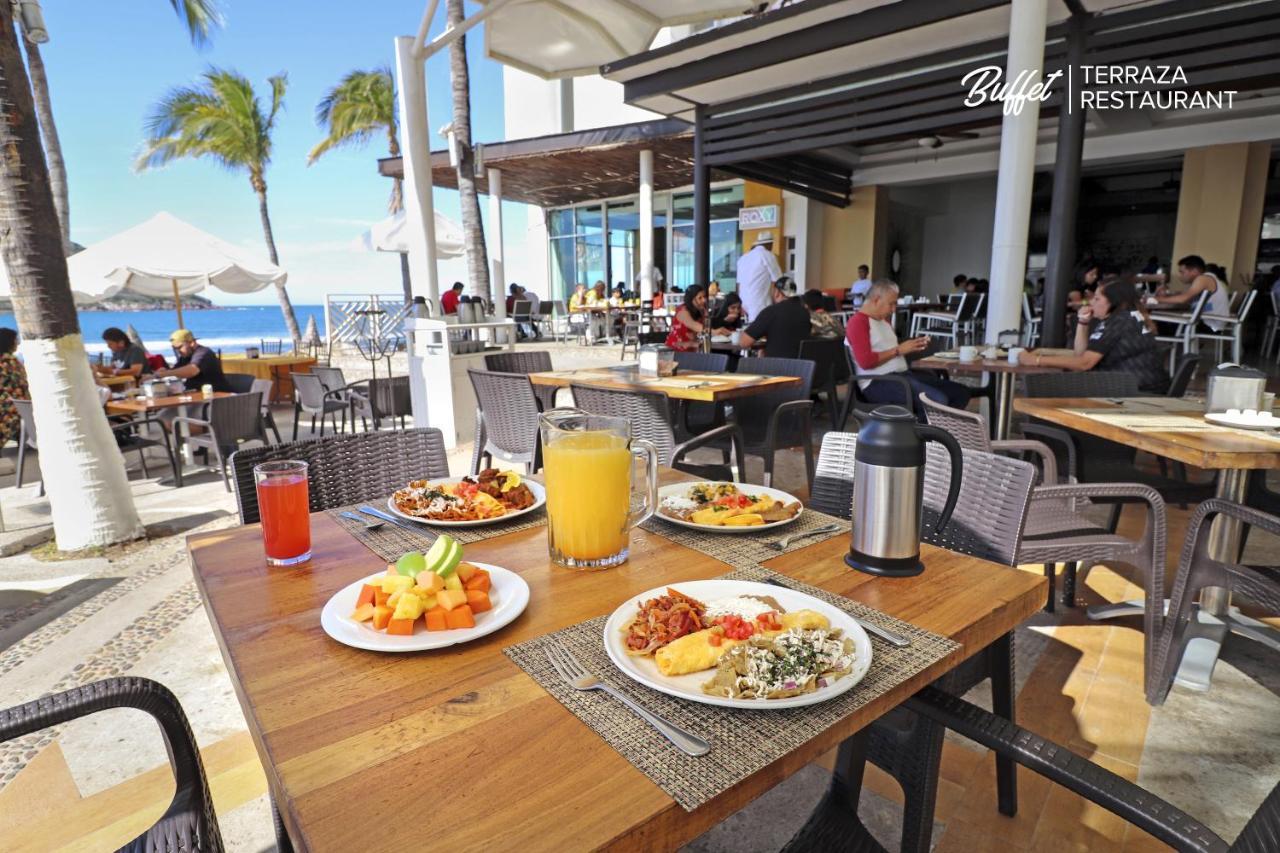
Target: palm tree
(472, 224)
(362, 105)
(201, 18)
(83, 470)
(222, 119)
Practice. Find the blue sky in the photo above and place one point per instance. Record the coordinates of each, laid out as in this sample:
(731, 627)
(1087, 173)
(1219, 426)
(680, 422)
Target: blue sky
(108, 62)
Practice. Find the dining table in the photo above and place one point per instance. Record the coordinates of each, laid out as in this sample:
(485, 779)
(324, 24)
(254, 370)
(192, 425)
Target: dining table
(689, 387)
(274, 367)
(123, 380)
(1176, 428)
(146, 406)
(462, 749)
(1004, 374)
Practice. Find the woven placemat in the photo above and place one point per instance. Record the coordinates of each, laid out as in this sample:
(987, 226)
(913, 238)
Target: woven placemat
(390, 540)
(742, 741)
(746, 550)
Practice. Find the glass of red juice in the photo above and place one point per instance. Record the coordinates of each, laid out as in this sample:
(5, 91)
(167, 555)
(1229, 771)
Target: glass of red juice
(285, 511)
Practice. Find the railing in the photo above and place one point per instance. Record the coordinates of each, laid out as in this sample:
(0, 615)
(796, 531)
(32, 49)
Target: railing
(348, 316)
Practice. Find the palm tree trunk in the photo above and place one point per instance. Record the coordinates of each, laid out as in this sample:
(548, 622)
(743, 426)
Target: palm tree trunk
(52, 146)
(286, 307)
(472, 224)
(89, 494)
(397, 185)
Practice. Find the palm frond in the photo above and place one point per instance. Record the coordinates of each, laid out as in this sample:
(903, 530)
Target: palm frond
(362, 105)
(201, 18)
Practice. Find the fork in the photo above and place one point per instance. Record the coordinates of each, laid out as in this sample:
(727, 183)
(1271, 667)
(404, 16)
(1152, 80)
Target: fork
(577, 677)
(369, 527)
(785, 542)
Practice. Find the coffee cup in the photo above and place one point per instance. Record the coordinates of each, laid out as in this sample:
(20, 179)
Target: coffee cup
(991, 352)
(1015, 354)
(968, 353)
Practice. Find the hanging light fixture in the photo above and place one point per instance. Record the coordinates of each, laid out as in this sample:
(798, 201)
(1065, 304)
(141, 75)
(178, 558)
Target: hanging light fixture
(32, 17)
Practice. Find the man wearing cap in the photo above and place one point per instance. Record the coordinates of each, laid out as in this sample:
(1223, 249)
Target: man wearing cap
(197, 365)
(757, 270)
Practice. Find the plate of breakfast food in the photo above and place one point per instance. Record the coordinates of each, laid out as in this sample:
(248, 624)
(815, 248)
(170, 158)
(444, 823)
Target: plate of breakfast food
(726, 507)
(738, 644)
(490, 496)
(425, 601)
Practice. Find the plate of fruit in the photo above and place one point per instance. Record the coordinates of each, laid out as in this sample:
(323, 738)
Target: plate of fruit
(425, 601)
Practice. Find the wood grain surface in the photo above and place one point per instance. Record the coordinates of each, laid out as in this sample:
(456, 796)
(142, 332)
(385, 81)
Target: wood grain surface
(141, 404)
(713, 392)
(981, 365)
(463, 751)
(1216, 448)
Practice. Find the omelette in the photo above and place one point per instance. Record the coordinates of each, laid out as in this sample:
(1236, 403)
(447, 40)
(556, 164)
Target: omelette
(694, 653)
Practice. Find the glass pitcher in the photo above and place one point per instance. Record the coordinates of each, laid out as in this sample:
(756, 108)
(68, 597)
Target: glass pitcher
(588, 464)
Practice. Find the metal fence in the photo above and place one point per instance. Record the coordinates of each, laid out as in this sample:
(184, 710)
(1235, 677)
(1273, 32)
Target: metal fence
(348, 316)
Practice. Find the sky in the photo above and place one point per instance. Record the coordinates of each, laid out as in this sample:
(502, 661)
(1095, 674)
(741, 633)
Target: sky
(109, 62)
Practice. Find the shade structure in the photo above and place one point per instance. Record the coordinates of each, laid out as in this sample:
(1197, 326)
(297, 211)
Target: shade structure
(312, 334)
(554, 39)
(389, 235)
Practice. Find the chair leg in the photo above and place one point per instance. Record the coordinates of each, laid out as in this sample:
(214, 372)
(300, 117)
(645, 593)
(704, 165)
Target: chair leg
(1050, 572)
(22, 457)
(271, 424)
(313, 425)
(1000, 655)
(297, 416)
(767, 456)
(1069, 583)
(222, 464)
(142, 460)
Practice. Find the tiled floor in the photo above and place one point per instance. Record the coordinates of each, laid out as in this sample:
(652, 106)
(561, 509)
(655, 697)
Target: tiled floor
(94, 784)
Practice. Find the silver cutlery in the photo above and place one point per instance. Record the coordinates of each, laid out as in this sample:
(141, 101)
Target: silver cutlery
(870, 627)
(577, 677)
(369, 526)
(785, 542)
(391, 519)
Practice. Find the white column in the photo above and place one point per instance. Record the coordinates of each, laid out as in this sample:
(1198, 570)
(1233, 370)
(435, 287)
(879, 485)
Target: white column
(497, 275)
(415, 139)
(1017, 171)
(646, 225)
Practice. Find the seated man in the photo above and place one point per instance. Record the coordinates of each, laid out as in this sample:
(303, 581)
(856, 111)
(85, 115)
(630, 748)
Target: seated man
(782, 325)
(876, 352)
(197, 365)
(127, 358)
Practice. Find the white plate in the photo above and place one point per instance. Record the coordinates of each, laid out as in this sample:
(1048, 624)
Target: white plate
(508, 593)
(1255, 422)
(539, 494)
(682, 489)
(645, 670)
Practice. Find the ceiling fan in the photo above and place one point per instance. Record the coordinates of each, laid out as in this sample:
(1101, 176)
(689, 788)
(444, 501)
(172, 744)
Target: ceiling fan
(935, 140)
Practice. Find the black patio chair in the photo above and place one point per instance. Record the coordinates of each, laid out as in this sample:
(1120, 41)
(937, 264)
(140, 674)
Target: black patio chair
(856, 402)
(311, 398)
(376, 399)
(506, 420)
(778, 419)
(189, 823)
(697, 418)
(830, 370)
(227, 423)
(344, 469)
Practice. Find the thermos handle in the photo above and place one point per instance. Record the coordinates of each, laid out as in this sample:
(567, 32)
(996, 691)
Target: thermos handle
(933, 433)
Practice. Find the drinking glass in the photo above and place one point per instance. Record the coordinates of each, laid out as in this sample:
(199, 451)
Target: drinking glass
(285, 511)
(588, 462)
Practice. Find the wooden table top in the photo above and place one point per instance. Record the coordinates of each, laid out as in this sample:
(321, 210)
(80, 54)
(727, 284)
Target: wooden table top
(122, 381)
(347, 736)
(273, 360)
(141, 403)
(1200, 443)
(702, 387)
(980, 365)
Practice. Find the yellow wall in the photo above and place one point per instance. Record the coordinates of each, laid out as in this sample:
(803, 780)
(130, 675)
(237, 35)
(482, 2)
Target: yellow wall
(1220, 206)
(857, 234)
(758, 195)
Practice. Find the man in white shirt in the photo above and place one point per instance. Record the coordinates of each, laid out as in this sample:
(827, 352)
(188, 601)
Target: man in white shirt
(858, 291)
(757, 271)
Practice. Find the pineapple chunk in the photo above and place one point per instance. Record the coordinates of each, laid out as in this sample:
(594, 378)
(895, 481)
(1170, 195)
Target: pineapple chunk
(392, 584)
(409, 607)
(453, 582)
(394, 598)
(451, 598)
(428, 601)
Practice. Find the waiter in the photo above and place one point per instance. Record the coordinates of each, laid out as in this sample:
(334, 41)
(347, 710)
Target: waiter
(757, 271)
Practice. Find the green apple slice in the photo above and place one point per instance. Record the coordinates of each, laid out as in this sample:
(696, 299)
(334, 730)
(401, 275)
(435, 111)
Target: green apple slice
(444, 555)
(411, 563)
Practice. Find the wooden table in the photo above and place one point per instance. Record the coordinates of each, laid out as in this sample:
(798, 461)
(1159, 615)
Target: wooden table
(274, 367)
(1003, 374)
(697, 387)
(1176, 429)
(146, 405)
(124, 380)
(352, 741)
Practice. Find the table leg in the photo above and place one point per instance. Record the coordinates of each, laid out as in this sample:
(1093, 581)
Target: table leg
(1003, 415)
(1207, 634)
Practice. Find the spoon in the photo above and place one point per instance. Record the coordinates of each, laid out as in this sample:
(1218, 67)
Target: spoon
(371, 527)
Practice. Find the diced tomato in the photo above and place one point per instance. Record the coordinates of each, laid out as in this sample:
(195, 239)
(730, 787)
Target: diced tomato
(769, 621)
(713, 638)
(735, 627)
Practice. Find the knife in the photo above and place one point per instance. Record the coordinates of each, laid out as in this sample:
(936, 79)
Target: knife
(870, 627)
(391, 519)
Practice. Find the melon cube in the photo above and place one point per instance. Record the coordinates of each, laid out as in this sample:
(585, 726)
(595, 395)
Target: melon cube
(451, 598)
(465, 570)
(430, 581)
(453, 582)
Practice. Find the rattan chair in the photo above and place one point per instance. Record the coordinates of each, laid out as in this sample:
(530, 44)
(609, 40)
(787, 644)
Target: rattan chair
(525, 361)
(331, 378)
(375, 399)
(227, 422)
(1182, 336)
(1197, 570)
(506, 420)
(312, 398)
(987, 523)
(1097, 784)
(830, 370)
(856, 403)
(778, 419)
(344, 469)
(189, 823)
(650, 415)
(244, 383)
(697, 418)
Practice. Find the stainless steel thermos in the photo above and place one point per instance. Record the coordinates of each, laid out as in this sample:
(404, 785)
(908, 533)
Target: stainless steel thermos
(888, 491)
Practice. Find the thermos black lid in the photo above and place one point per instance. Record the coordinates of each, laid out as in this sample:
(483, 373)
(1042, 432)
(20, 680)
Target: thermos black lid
(888, 438)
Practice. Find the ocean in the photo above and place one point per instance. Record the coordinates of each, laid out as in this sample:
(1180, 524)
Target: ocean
(230, 328)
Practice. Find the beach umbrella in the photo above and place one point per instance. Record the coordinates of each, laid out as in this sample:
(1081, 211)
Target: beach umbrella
(312, 335)
(389, 236)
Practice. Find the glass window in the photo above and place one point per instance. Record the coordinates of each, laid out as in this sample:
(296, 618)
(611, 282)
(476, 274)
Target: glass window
(563, 275)
(590, 219)
(725, 238)
(560, 222)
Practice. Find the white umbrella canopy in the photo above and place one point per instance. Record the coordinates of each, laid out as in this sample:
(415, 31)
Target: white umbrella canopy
(552, 38)
(389, 236)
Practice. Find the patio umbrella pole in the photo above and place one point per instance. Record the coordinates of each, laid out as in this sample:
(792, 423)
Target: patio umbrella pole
(177, 303)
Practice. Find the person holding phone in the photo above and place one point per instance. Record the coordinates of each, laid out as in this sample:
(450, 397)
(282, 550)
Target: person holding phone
(877, 352)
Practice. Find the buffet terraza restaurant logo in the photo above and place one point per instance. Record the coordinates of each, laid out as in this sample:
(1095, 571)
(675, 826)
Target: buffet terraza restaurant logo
(1097, 87)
